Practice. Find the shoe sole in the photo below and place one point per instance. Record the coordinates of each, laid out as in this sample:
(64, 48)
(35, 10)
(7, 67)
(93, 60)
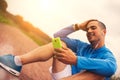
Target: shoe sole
(10, 70)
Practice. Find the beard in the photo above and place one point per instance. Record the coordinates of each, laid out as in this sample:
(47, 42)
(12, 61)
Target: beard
(95, 43)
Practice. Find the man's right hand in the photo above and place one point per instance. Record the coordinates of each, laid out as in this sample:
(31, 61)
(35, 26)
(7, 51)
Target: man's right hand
(83, 25)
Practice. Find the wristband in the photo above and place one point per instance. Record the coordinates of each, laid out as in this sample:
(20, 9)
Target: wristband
(76, 27)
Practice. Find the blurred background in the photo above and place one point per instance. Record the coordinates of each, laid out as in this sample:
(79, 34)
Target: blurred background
(51, 15)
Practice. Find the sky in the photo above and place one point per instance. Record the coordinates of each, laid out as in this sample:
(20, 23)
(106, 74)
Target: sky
(53, 15)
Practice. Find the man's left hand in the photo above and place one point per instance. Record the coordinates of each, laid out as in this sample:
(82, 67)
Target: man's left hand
(66, 55)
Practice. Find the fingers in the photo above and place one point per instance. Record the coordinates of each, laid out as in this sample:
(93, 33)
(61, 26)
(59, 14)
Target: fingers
(90, 21)
(59, 55)
(61, 49)
(64, 47)
(84, 24)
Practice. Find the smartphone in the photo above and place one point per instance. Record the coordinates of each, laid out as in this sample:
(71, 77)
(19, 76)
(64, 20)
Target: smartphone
(56, 42)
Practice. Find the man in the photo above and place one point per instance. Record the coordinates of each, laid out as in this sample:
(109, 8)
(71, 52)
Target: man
(93, 57)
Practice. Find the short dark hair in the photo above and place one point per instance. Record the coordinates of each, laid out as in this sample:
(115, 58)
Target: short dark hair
(103, 26)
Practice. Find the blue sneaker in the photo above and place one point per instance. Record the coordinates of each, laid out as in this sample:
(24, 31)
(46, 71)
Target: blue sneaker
(7, 62)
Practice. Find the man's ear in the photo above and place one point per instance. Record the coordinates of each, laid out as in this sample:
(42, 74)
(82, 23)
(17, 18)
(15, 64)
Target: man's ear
(104, 32)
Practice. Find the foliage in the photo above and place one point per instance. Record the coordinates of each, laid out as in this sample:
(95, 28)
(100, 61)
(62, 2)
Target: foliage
(3, 5)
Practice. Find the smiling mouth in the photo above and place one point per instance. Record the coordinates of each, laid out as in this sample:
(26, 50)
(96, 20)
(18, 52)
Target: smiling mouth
(90, 35)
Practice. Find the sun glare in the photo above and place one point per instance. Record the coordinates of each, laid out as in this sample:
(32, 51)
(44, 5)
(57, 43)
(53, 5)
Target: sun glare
(45, 5)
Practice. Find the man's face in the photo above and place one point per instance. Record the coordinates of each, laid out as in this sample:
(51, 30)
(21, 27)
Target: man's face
(94, 32)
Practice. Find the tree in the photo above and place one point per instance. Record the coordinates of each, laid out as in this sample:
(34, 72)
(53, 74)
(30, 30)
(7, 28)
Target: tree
(3, 5)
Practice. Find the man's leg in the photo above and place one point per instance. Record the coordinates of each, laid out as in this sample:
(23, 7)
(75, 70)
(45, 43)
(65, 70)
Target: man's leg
(84, 76)
(13, 64)
(41, 53)
(59, 70)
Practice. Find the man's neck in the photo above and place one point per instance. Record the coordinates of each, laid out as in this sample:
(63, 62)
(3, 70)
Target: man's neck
(97, 44)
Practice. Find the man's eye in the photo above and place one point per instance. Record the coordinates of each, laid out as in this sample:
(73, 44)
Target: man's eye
(93, 27)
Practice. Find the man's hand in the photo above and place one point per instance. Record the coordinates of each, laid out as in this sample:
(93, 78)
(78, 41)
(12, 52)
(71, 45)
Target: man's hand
(66, 55)
(83, 25)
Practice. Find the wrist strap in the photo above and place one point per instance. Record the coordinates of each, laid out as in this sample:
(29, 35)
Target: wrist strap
(76, 27)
